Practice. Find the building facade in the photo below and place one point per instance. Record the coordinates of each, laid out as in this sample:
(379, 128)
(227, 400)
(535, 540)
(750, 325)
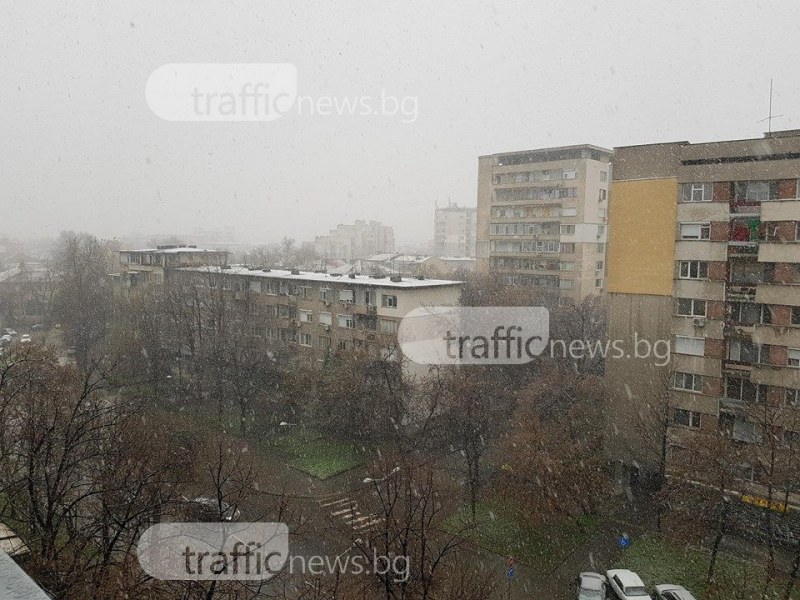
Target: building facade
(358, 240)
(454, 229)
(149, 266)
(542, 217)
(704, 252)
(320, 313)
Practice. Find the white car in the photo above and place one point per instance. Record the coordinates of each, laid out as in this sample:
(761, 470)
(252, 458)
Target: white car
(667, 591)
(626, 584)
(592, 586)
(25, 338)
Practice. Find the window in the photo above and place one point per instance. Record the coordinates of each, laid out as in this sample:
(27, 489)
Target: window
(687, 418)
(690, 345)
(693, 269)
(746, 351)
(737, 388)
(565, 284)
(689, 382)
(306, 316)
(323, 294)
(388, 326)
(602, 213)
(794, 357)
(755, 191)
(567, 229)
(795, 318)
(567, 248)
(601, 231)
(566, 266)
(690, 307)
(695, 231)
(797, 231)
(749, 313)
(325, 318)
(305, 339)
(598, 283)
(324, 342)
(388, 301)
(570, 174)
(600, 265)
(346, 296)
(793, 397)
(696, 192)
(603, 176)
(369, 298)
(602, 196)
(272, 288)
(601, 247)
(569, 212)
(347, 321)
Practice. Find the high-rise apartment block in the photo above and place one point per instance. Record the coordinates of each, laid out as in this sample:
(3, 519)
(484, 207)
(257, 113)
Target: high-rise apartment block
(358, 240)
(454, 229)
(542, 217)
(704, 252)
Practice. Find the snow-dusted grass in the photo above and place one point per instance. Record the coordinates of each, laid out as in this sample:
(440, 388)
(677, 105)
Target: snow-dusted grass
(501, 529)
(657, 561)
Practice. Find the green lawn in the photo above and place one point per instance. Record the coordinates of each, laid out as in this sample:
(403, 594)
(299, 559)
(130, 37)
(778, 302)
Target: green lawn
(501, 530)
(659, 561)
(311, 453)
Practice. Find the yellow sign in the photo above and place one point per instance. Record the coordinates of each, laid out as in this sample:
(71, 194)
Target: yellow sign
(764, 503)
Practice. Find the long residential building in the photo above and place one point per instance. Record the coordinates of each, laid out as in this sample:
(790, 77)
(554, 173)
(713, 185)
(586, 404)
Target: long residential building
(704, 252)
(542, 217)
(356, 240)
(321, 313)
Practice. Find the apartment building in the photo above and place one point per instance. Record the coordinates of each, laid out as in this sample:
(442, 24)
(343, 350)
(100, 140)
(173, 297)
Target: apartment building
(454, 229)
(704, 251)
(356, 240)
(322, 312)
(149, 266)
(542, 217)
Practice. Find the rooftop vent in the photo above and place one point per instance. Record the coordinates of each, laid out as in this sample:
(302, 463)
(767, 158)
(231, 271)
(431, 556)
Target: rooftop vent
(352, 276)
(295, 272)
(420, 277)
(396, 278)
(266, 270)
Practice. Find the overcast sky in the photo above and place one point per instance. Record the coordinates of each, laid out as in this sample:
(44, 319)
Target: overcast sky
(80, 149)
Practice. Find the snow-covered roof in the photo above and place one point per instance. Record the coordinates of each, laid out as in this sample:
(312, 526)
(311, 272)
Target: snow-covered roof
(179, 249)
(384, 282)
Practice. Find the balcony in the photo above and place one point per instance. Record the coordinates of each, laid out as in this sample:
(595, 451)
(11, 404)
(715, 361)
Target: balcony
(742, 249)
(740, 293)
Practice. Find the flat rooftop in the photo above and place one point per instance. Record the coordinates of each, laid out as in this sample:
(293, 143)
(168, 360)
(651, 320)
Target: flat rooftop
(361, 280)
(170, 250)
(555, 153)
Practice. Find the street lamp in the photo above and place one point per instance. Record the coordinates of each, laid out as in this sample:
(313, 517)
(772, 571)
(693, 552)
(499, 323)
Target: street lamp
(380, 479)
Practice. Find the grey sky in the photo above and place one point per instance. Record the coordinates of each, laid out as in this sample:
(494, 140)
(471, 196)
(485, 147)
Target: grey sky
(80, 148)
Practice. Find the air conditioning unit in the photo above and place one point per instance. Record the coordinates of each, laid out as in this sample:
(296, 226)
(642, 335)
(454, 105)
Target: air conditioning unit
(327, 327)
(699, 321)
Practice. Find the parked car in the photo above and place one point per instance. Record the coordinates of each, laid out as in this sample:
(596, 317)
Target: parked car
(26, 338)
(5, 339)
(37, 327)
(668, 591)
(592, 586)
(208, 510)
(626, 585)
(9, 331)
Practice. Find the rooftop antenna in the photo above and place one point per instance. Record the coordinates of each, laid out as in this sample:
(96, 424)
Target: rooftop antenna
(771, 116)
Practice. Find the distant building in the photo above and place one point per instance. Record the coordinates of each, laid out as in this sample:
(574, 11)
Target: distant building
(359, 240)
(542, 217)
(414, 265)
(454, 229)
(148, 266)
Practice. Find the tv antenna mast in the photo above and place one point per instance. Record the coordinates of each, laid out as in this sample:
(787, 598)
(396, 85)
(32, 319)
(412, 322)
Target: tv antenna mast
(771, 116)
